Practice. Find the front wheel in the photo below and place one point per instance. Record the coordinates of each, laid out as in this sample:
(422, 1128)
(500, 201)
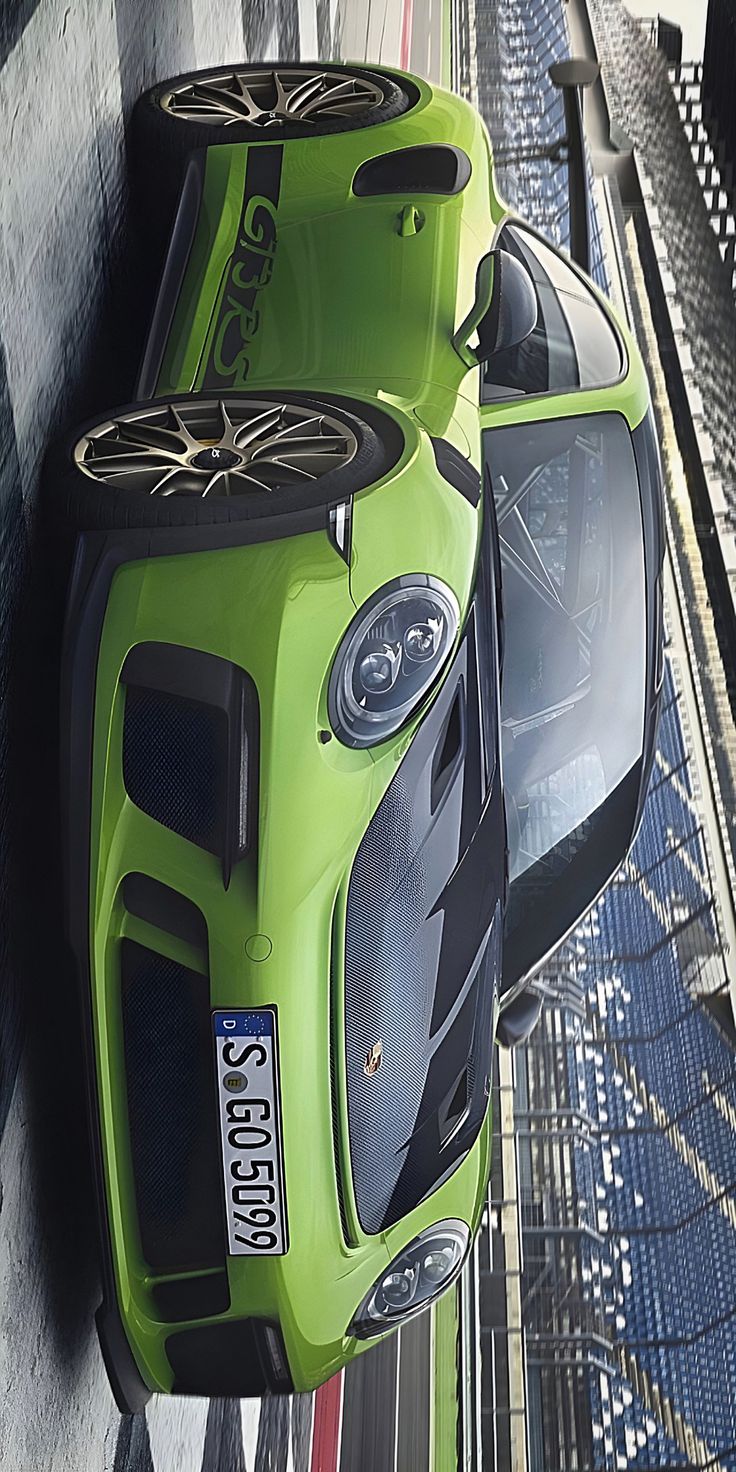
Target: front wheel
(199, 460)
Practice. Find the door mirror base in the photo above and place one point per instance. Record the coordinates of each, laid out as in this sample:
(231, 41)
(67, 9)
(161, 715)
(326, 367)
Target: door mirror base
(504, 312)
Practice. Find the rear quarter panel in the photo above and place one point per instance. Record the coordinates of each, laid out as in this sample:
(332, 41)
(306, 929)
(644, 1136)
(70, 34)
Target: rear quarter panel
(292, 279)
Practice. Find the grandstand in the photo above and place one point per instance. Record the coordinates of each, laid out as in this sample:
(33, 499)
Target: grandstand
(608, 1259)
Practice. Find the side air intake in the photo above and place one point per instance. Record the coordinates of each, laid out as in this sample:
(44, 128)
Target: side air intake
(430, 168)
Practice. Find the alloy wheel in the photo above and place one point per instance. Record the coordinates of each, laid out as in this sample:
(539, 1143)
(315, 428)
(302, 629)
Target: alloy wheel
(269, 97)
(215, 447)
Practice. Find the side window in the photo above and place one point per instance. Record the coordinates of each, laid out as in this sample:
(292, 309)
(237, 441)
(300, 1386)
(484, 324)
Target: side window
(573, 344)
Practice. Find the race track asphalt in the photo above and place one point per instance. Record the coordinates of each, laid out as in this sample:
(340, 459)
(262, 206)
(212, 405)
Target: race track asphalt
(73, 311)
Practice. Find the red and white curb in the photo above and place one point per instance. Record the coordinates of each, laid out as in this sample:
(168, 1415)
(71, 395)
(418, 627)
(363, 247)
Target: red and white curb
(327, 1425)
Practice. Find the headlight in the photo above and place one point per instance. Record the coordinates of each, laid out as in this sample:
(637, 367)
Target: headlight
(421, 1272)
(391, 655)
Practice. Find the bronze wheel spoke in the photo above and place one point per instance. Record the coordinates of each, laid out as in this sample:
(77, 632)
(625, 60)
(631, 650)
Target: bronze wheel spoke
(268, 97)
(166, 480)
(251, 429)
(217, 447)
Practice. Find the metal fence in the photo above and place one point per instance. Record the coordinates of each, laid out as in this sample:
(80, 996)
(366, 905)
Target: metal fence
(607, 1262)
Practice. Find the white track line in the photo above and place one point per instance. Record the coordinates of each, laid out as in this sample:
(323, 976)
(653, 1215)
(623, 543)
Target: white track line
(399, 1339)
(218, 32)
(250, 1411)
(176, 1431)
(308, 47)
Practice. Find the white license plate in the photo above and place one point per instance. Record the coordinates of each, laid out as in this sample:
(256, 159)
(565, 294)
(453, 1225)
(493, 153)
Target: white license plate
(250, 1129)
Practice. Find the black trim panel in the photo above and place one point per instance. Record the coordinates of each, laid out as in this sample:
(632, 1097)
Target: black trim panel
(340, 528)
(457, 470)
(179, 1300)
(126, 1382)
(150, 900)
(230, 1358)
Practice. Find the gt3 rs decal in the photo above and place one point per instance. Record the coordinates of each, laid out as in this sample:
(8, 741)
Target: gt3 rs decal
(249, 271)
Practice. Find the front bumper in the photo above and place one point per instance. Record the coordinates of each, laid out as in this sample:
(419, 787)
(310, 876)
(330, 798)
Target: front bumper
(280, 1321)
(288, 895)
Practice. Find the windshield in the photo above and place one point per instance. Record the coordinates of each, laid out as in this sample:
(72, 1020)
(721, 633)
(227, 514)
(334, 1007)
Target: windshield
(573, 590)
(573, 344)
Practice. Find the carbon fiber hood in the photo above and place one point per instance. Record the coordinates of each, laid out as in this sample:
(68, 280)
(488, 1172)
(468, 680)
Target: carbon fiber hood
(423, 948)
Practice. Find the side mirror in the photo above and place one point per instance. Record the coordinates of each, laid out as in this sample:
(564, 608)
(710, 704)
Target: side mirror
(504, 312)
(517, 1022)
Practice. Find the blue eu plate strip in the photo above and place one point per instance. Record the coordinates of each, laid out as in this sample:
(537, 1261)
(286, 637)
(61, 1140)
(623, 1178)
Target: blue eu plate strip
(243, 1024)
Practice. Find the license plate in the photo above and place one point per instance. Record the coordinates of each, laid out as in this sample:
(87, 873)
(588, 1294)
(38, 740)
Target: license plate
(250, 1129)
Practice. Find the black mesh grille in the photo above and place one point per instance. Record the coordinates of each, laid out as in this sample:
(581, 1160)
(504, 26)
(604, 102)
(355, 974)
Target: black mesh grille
(174, 763)
(172, 1111)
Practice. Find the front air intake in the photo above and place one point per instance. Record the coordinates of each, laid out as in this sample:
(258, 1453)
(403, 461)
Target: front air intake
(238, 1357)
(172, 1111)
(174, 755)
(190, 746)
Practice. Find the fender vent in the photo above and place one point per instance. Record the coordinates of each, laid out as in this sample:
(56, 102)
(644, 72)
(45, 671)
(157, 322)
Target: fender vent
(450, 753)
(156, 904)
(457, 470)
(430, 168)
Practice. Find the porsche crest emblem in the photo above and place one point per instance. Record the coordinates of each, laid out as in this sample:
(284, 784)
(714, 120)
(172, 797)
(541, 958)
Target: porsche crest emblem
(374, 1058)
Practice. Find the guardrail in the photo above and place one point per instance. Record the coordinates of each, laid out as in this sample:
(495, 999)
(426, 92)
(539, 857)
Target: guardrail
(462, 57)
(471, 1453)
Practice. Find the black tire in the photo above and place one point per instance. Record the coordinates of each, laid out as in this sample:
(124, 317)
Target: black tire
(151, 123)
(74, 500)
(162, 142)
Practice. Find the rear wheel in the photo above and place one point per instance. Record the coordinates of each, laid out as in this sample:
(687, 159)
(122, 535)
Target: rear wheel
(198, 460)
(259, 102)
(268, 102)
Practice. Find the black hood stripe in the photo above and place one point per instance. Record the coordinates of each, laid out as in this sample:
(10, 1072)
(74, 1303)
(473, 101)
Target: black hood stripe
(423, 956)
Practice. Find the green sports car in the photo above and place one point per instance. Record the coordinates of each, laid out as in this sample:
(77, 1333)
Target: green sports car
(386, 444)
